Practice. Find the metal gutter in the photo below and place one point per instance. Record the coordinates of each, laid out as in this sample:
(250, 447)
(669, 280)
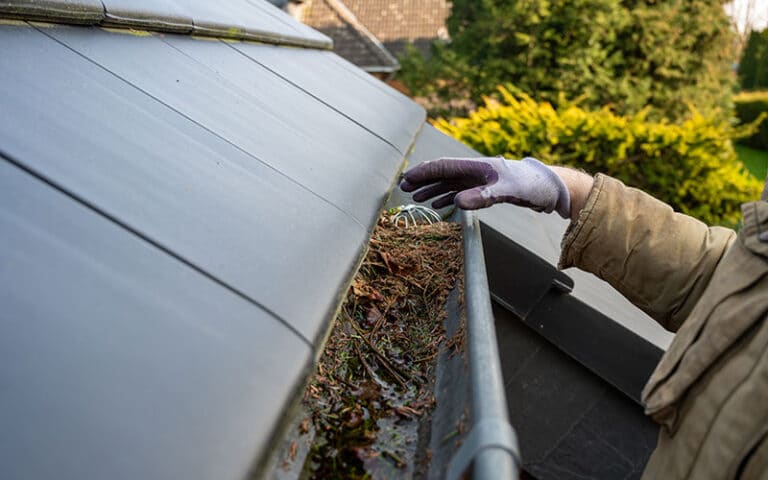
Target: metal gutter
(491, 446)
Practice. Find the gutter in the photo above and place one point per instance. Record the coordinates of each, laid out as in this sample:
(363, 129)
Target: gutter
(491, 446)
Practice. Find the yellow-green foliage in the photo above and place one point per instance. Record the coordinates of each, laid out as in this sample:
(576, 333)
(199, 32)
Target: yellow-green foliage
(691, 165)
(753, 107)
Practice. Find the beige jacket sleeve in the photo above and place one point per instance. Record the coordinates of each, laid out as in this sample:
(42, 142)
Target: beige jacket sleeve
(658, 259)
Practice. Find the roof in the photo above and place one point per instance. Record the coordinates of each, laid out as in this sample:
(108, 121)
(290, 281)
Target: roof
(179, 224)
(351, 39)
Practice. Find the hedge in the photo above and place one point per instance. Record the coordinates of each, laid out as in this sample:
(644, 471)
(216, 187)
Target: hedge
(751, 106)
(691, 165)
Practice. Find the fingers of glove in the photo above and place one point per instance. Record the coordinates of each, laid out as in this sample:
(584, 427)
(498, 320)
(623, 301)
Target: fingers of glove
(407, 186)
(438, 189)
(448, 169)
(444, 201)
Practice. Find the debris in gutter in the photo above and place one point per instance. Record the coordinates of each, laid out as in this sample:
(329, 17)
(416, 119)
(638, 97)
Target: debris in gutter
(373, 388)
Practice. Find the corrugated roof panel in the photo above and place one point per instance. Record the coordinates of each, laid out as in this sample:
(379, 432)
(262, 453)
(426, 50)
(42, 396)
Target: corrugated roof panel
(331, 79)
(73, 11)
(163, 15)
(206, 199)
(118, 361)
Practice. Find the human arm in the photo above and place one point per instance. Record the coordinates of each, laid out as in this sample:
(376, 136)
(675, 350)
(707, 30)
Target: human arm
(579, 185)
(660, 260)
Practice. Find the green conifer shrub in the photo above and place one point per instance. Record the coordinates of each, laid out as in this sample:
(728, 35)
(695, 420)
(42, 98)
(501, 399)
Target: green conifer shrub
(629, 54)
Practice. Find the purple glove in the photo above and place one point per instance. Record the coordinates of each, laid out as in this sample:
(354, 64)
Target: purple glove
(473, 183)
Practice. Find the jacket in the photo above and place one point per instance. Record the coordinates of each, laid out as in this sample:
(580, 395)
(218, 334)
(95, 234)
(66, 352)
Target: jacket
(709, 392)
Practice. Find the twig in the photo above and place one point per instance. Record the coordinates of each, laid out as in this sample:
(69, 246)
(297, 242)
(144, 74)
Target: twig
(367, 367)
(399, 376)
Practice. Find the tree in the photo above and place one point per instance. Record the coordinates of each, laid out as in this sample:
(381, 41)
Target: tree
(628, 54)
(753, 67)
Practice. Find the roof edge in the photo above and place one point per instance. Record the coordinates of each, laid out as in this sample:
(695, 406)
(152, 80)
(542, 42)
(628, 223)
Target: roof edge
(95, 15)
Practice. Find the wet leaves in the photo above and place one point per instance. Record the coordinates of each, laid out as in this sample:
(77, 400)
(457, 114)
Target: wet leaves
(373, 383)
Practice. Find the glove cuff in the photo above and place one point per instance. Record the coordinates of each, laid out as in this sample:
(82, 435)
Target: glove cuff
(563, 203)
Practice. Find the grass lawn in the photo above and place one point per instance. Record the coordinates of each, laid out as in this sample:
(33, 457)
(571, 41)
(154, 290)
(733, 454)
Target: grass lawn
(756, 161)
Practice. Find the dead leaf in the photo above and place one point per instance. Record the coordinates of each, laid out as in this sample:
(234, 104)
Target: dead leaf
(292, 451)
(373, 317)
(304, 426)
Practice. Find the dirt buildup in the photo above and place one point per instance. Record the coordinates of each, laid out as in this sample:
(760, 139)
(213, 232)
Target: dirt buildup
(373, 385)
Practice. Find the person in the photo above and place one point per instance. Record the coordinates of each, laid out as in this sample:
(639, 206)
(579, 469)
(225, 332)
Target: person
(709, 392)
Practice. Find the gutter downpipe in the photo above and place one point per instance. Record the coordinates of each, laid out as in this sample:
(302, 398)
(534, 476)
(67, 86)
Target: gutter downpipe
(491, 445)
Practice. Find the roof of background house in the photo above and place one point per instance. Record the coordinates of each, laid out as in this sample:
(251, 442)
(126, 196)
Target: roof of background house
(398, 22)
(351, 39)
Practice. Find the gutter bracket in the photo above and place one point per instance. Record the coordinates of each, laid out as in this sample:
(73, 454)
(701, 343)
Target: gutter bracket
(487, 433)
(520, 294)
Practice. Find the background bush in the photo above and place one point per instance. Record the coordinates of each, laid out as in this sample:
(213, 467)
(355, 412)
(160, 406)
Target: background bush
(751, 107)
(753, 66)
(691, 165)
(629, 54)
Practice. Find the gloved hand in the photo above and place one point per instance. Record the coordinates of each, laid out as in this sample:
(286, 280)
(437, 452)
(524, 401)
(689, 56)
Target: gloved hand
(473, 183)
